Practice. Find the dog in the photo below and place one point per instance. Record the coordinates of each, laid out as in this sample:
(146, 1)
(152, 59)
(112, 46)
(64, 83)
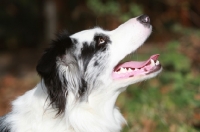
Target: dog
(81, 78)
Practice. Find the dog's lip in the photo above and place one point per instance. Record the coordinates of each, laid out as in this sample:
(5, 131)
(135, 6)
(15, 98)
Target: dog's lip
(137, 64)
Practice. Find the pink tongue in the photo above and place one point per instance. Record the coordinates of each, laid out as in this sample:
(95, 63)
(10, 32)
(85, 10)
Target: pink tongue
(136, 64)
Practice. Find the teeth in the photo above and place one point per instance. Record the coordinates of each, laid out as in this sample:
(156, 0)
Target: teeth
(152, 62)
(136, 69)
(122, 70)
(157, 62)
(130, 70)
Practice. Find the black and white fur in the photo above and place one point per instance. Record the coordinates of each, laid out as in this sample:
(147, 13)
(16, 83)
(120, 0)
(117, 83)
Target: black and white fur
(77, 92)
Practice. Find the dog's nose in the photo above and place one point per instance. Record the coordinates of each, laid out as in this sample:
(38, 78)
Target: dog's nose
(144, 19)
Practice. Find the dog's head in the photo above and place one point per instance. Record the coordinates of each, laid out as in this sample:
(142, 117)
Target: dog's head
(89, 60)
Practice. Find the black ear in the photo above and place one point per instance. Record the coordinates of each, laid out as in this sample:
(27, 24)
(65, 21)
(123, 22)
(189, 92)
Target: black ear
(48, 69)
(58, 48)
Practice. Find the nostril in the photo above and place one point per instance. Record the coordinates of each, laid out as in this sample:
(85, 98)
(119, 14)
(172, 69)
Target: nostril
(144, 19)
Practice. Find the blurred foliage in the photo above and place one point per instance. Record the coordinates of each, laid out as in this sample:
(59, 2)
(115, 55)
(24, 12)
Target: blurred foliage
(111, 7)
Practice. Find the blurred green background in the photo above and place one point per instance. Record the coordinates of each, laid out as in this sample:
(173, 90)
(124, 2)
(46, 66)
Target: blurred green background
(167, 103)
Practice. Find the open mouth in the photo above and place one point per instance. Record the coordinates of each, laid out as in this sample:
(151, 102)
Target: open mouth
(136, 68)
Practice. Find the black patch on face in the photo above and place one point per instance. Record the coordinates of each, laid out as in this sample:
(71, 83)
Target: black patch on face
(101, 41)
(87, 53)
(74, 41)
(47, 68)
(99, 44)
(96, 63)
(4, 127)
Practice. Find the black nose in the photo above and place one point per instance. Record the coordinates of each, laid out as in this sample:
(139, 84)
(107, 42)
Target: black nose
(144, 19)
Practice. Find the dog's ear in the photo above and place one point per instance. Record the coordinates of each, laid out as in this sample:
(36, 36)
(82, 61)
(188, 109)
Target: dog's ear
(59, 70)
(57, 49)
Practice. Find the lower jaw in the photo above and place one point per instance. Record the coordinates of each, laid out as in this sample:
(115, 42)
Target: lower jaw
(157, 69)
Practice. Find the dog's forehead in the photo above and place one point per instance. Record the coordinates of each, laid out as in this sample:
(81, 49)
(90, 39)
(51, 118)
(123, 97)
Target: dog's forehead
(88, 35)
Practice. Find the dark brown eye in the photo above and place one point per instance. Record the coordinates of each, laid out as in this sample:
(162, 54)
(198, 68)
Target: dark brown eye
(101, 41)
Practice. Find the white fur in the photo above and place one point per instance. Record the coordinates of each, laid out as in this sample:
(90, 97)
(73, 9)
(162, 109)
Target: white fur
(97, 113)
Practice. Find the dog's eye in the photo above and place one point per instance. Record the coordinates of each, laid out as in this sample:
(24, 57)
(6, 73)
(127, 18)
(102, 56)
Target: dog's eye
(101, 41)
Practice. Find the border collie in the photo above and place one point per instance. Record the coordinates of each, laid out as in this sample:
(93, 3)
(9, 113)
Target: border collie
(81, 79)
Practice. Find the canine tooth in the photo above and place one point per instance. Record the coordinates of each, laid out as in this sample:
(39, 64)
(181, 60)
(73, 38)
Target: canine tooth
(157, 62)
(152, 62)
